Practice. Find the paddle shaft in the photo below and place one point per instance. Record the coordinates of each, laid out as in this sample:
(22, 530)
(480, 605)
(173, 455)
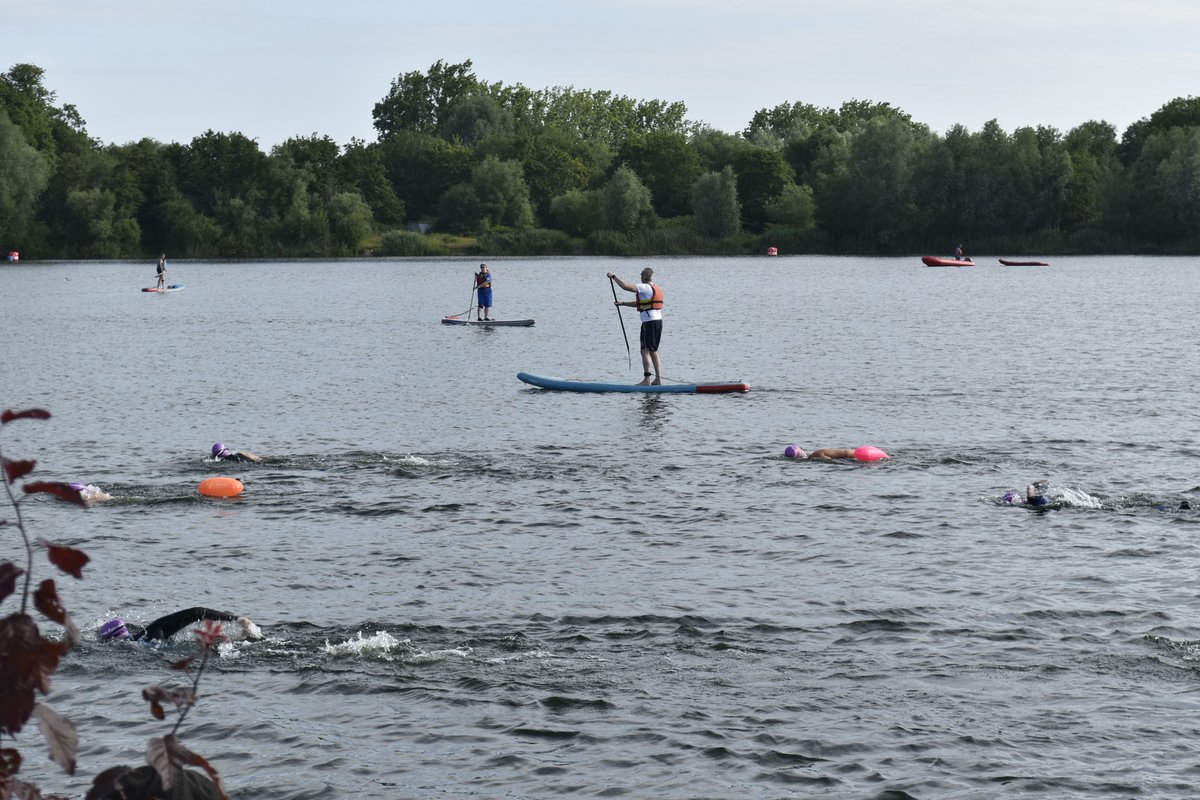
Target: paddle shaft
(629, 353)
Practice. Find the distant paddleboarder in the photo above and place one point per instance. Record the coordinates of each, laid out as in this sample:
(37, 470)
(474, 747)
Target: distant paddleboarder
(483, 293)
(162, 272)
(649, 304)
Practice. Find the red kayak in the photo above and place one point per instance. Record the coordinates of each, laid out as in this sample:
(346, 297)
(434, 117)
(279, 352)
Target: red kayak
(936, 261)
(1023, 263)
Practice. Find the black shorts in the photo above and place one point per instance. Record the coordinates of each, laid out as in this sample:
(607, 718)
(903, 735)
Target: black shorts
(651, 335)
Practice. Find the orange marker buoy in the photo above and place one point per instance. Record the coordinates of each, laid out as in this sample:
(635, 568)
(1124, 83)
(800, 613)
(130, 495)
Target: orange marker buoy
(221, 487)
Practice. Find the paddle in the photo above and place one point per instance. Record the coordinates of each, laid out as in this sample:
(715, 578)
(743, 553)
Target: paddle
(629, 353)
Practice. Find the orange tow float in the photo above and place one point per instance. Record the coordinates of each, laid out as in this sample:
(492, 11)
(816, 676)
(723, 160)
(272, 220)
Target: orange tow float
(221, 487)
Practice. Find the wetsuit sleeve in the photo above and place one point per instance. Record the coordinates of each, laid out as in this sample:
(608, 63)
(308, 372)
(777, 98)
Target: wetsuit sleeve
(164, 628)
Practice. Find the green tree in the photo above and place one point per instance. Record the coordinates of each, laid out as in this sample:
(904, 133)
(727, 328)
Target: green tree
(421, 168)
(219, 167)
(578, 212)
(553, 163)
(793, 208)
(717, 149)
(717, 213)
(185, 231)
(668, 165)
(1182, 112)
(29, 105)
(316, 158)
(761, 175)
(96, 229)
(626, 203)
(1092, 149)
(24, 173)
(1164, 193)
(361, 168)
(350, 222)
(867, 198)
(500, 187)
(788, 121)
(474, 118)
(607, 119)
(421, 102)
(460, 210)
(1041, 174)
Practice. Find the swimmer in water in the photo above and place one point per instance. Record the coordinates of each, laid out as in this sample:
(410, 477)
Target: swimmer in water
(821, 454)
(164, 628)
(90, 493)
(1035, 495)
(222, 453)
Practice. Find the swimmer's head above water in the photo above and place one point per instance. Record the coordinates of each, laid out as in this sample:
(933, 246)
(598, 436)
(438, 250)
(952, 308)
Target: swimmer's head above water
(220, 451)
(115, 628)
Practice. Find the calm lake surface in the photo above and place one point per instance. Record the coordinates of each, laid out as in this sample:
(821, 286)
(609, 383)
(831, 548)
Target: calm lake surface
(474, 588)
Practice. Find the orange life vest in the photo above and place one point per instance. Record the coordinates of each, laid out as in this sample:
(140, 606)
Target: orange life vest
(654, 301)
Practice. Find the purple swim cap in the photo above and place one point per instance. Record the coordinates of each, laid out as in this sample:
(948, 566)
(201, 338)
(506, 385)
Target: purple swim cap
(1011, 496)
(794, 451)
(114, 629)
(219, 450)
(79, 487)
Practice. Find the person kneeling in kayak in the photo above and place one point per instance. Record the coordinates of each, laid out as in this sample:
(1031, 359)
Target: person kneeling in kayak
(164, 628)
(222, 453)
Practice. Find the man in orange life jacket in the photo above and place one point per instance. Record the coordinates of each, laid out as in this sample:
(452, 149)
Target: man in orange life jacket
(649, 304)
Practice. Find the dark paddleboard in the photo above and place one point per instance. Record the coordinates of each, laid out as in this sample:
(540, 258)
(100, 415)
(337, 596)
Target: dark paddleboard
(174, 287)
(561, 385)
(488, 323)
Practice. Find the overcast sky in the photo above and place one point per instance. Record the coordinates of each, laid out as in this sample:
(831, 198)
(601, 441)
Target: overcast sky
(272, 70)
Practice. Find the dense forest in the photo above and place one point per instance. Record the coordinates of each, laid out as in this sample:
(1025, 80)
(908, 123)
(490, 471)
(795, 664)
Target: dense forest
(460, 165)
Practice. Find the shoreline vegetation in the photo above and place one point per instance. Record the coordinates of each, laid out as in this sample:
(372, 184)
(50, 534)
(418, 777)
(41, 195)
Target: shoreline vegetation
(461, 166)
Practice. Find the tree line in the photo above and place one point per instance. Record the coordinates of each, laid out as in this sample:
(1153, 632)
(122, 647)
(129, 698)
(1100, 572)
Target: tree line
(463, 165)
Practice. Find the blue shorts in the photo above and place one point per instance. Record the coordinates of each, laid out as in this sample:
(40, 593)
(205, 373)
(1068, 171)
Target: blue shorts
(485, 297)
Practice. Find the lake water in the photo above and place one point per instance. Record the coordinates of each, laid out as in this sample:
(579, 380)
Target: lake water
(475, 588)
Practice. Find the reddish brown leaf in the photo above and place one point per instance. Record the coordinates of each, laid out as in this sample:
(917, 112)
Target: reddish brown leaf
(22, 790)
(45, 600)
(103, 784)
(19, 641)
(71, 635)
(63, 491)
(30, 413)
(60, 735)
(158, 757)
(183, 665)
(67, 559)
(17, 469)
(10, 762)
(181, 755)
(9, 572)
(178, 697)
(209, 633)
